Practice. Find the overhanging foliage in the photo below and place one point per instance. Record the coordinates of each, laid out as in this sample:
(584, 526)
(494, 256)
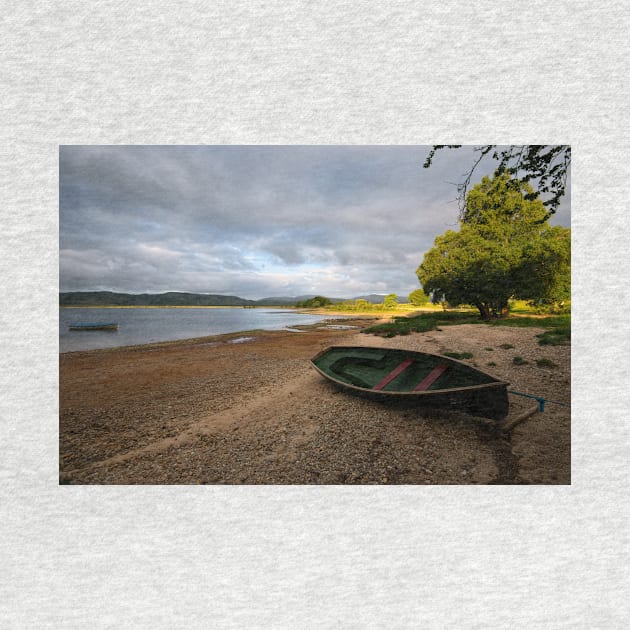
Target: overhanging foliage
(546, 166)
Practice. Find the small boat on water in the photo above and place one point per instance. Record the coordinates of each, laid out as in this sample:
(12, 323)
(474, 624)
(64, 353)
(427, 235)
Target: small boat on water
(419, 378)
(94, 326)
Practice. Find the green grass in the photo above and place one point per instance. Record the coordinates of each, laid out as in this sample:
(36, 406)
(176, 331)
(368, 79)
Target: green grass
(522, 306)
(558, 333)
(422, 323)
(519, 361)
(533, 321)
(545, 363)
(459, 355)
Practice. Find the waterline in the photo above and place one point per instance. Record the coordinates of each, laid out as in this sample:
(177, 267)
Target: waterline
(139, 325)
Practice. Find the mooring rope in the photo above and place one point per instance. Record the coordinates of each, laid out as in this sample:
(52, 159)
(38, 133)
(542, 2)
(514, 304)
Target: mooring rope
(540, 399)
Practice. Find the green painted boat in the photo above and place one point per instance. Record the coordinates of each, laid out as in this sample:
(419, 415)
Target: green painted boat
(94, 326)
(418, 378)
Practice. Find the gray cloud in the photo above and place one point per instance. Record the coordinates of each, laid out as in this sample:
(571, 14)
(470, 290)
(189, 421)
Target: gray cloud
(253, 221)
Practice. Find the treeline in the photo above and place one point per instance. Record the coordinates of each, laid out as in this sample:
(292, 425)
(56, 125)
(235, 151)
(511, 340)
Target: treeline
(416, 298)
(173, 298)
(318, 301)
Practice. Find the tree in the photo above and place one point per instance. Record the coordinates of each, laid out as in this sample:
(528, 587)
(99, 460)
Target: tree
(390, 301)
(314, 302)
(418, 297)
(545, 271)
(547, 164)
(503, 250)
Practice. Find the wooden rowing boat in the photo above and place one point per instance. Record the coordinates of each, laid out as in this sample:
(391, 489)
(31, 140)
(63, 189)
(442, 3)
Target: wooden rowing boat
(94, 326)
(419, 378)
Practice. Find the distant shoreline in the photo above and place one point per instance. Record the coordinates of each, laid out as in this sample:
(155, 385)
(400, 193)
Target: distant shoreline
(169, 306)
(375, 312)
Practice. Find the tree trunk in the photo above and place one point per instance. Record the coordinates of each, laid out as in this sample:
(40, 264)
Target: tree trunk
(484, 311)
(502, 310)
(492, 311)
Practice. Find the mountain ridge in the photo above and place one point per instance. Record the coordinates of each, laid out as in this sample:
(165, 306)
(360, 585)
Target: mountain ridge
(176, 298)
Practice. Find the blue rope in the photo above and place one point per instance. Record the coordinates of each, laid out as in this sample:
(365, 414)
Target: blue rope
(540, 399)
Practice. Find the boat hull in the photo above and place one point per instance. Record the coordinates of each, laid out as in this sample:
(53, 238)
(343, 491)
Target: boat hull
(416, 379)
(94, 326)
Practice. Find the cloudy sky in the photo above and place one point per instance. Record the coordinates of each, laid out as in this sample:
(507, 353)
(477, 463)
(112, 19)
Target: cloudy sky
(255, 221)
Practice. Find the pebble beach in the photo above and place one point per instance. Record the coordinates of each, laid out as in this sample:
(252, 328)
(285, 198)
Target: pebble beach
(249, 408)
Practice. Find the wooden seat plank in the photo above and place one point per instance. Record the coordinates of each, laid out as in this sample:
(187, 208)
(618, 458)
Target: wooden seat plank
(430, 378)
(393, 374)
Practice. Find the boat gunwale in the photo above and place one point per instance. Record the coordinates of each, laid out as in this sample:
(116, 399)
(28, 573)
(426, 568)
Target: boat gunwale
(496, 384)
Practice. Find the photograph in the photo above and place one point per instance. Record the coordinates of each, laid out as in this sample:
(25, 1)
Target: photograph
(315, 314)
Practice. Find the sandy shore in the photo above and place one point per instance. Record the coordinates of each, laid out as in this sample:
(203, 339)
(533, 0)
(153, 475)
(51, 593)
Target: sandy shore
(253, 411)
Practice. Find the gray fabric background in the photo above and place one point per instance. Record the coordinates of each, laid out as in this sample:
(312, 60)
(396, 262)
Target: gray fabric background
(346, 72)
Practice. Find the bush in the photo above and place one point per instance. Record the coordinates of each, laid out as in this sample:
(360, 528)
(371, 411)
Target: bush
(418, 298)
(459, 355)
(390, 301)
(315, 302)
(545, 363)
(559, 336)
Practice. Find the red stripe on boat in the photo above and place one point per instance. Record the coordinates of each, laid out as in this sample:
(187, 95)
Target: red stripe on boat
(430, 378)
(393, 374)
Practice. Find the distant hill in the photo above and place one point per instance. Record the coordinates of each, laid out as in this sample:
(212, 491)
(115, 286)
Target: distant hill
(174, 298)
(373, 298)
(109, 298)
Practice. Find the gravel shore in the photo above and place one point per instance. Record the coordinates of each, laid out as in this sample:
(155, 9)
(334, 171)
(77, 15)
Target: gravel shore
(255, 412)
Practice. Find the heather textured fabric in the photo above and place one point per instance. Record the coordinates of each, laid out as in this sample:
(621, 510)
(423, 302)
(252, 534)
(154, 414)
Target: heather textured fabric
(313, 73)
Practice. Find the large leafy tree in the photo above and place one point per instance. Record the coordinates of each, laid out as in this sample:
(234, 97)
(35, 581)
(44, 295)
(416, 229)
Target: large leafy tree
(504, 249)
(545, 271)
(545, 165)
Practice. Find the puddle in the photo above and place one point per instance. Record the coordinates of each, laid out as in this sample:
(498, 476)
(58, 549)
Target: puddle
(241, 339)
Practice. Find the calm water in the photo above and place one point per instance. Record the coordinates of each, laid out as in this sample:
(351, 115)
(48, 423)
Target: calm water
(148, 325)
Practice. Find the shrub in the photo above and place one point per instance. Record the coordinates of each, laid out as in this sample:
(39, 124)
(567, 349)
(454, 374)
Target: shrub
(545, 363)
(316, 302)
(459, 355)
(390, 301)
(418, 298)
(558, 336)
